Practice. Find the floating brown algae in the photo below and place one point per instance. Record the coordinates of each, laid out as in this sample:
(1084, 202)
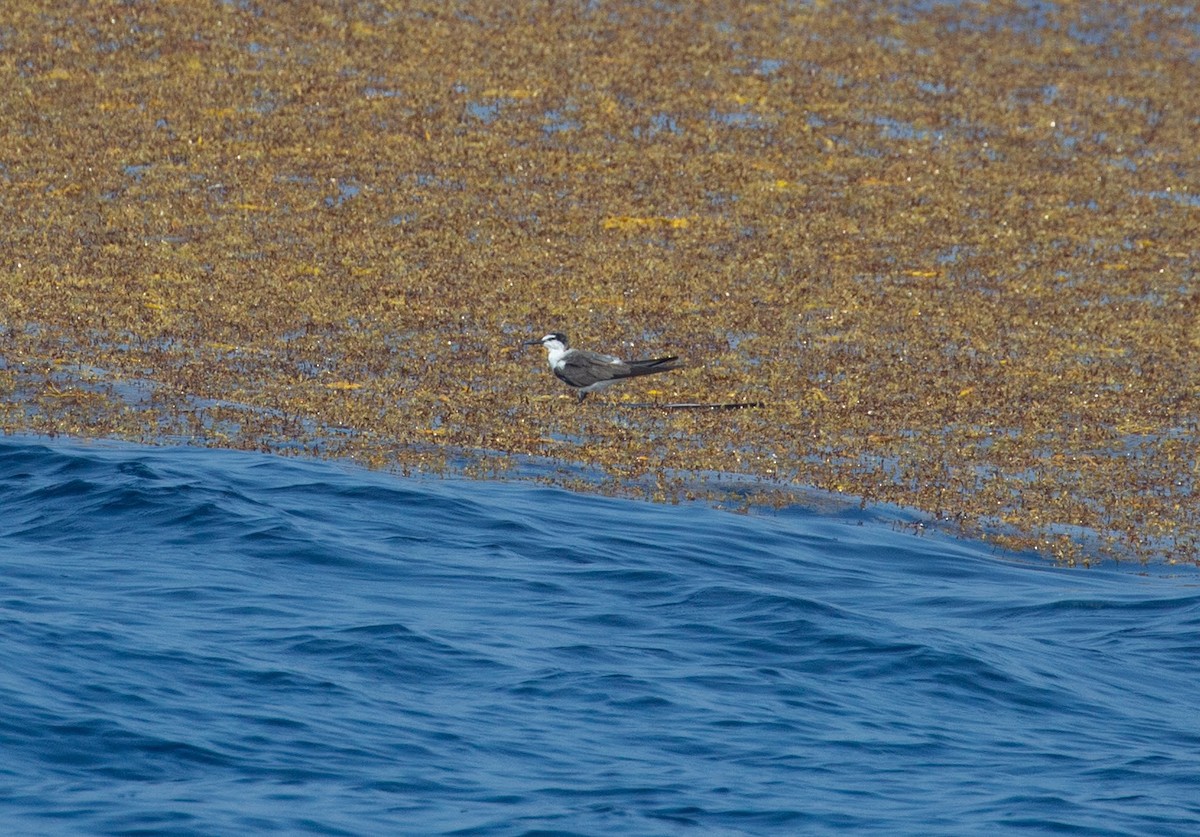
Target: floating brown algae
(950, 247)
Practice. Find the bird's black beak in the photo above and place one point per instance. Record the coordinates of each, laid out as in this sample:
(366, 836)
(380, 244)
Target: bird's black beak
(532, 343)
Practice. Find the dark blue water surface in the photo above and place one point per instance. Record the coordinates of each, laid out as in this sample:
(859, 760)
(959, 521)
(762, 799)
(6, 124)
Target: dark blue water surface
(208, 642)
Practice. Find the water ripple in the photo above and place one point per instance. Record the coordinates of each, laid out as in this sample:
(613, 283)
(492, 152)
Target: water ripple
(205, 642)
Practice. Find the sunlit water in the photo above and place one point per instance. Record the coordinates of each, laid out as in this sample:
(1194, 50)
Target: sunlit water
(206, 642)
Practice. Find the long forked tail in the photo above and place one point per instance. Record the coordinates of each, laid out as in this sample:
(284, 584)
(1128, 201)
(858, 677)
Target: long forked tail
(652, 365)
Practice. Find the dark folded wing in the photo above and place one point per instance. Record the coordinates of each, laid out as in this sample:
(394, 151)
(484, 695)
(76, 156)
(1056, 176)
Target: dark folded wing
(582, 369)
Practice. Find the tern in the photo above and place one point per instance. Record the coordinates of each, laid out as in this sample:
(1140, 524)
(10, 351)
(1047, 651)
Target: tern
(585, 371)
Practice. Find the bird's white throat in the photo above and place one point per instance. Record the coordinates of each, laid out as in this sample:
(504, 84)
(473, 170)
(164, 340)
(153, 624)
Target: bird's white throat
(555, 351)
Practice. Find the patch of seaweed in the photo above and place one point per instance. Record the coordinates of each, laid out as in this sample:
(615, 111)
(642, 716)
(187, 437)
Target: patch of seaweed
(950, 248)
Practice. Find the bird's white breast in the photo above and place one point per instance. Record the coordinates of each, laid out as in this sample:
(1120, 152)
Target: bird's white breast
(555, 355)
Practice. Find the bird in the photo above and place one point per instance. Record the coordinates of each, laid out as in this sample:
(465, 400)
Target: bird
(585, 371)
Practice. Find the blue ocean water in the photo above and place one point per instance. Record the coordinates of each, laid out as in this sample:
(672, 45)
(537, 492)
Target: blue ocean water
(213, 642)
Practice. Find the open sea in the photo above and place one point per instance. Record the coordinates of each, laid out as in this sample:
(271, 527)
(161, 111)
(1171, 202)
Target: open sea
(202, 642)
